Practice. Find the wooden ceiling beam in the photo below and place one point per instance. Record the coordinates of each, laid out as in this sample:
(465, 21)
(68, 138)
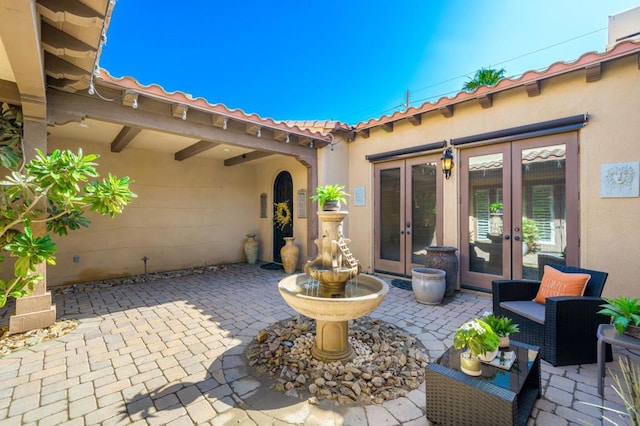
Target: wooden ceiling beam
(416, 120)
(533, 88)
(195, 149)
(486, 100)
(593, 72)
(124, 138)
(250, 156)
(446, 111)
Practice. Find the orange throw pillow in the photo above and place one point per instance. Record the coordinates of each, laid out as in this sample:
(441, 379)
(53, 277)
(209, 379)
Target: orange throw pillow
(556, 283)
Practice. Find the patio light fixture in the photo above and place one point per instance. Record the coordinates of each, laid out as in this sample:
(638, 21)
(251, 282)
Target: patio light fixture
(447, 162)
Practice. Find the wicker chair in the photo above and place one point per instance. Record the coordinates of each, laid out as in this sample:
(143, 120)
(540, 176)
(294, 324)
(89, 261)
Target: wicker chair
(565, 327)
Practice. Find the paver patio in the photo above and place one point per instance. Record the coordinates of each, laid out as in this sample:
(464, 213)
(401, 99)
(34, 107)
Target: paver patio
(171, 352)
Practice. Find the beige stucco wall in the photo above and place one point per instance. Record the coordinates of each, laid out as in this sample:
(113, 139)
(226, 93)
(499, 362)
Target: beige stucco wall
(188, 213)
(610, 235)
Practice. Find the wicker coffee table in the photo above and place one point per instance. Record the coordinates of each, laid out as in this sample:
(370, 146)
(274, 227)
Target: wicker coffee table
(497, 397)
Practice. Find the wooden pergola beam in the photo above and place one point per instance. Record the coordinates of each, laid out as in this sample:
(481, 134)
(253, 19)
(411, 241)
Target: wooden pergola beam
(195, 149)
(124, 138)
(250, 156)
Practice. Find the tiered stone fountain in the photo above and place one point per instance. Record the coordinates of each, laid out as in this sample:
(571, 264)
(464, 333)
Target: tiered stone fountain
(332, 291)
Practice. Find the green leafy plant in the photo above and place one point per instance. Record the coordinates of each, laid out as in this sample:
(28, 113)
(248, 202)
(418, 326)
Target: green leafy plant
(495, 207)
(628, 389)
(502, 325)
(477, 336)
(530, 233)
(326, 193)
(484, 77)
(50, 193)
(623, 312)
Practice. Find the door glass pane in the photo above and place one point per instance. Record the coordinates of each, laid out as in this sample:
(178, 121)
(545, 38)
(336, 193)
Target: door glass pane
(390, 214)
(485, 214)
(544, 233)
(423, 210)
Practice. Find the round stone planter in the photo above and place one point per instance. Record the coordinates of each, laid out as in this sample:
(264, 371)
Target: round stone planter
(429, 285)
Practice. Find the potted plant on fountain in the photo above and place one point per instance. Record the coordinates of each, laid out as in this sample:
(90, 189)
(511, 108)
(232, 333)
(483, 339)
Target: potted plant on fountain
(480, 342)
(503, 327)
(329, 197)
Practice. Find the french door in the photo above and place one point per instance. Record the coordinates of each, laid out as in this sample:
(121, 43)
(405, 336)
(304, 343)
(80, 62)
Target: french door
(519, 208)
(407, 201)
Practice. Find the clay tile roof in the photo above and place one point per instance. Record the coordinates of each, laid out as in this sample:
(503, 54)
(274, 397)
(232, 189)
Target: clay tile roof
(531, 76)
(158, 92)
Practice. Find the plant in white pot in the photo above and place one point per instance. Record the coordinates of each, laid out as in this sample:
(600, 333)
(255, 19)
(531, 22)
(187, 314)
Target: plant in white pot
(330, 197)
(503, 326)
(479, 340)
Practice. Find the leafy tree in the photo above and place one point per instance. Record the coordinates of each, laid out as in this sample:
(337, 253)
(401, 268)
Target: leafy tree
(484, 77)
(52, 189)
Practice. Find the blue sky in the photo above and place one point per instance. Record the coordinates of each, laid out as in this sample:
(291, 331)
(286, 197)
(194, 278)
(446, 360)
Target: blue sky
(343, 60)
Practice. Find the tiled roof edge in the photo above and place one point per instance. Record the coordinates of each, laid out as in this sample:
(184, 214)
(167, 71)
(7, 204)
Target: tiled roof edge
(557, 68)
(158, 92)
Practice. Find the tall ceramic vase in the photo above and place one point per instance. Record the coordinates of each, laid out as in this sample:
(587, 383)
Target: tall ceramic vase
(443, 257)
(289, 255)
(251, 249)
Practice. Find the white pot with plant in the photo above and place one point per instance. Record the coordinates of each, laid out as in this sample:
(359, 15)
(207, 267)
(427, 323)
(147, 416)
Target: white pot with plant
(503, 326)
(480, 342)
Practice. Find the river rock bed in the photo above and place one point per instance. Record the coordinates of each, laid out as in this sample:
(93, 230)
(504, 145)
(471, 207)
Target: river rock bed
(389, 363)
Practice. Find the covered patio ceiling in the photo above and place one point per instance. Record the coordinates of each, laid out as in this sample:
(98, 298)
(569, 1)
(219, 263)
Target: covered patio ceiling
(82, 102)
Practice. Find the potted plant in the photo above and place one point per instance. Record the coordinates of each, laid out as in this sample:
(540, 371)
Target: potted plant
(503, 327)
(530, 234)
(480, 342)
(330, 196)
(495, 223)
(625, 314)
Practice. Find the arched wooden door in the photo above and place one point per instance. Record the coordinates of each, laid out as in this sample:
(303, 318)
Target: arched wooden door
(282, 193)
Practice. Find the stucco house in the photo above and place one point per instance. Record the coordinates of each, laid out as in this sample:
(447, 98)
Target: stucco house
(546, 165)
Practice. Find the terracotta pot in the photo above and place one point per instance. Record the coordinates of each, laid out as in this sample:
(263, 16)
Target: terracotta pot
(428, 285)
(251, 249)
(470, 364)
(289, 255)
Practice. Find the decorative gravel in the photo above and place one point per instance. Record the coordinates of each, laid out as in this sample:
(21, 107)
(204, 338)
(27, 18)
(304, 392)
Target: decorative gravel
(389, 363)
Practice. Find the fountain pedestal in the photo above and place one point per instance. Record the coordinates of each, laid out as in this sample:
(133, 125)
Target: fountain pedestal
(332, 292)
(332, 341)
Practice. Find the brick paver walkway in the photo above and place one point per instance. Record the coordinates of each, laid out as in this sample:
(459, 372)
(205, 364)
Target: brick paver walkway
(170, 352)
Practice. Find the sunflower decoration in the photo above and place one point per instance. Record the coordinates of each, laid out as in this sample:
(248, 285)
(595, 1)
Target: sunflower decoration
(282, 214)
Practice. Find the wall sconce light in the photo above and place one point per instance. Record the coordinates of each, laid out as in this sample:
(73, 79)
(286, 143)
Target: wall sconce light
(447, 162)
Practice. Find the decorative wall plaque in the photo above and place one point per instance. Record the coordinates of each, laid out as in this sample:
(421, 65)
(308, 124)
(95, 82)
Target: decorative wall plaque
(620, 180)
(263, 205)
(302, 203)
(359, 196)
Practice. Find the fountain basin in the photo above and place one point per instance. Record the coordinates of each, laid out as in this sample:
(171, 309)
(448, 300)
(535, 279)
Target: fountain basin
(363, 299)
